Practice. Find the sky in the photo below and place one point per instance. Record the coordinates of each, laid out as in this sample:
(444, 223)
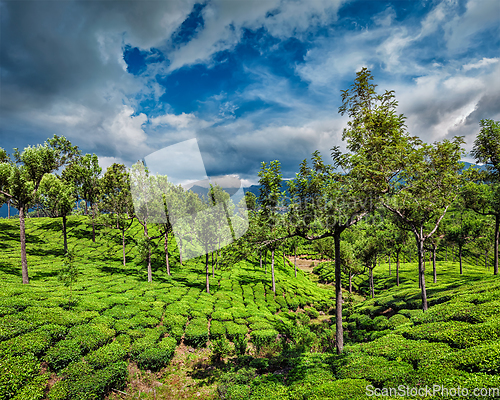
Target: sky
(252, 81)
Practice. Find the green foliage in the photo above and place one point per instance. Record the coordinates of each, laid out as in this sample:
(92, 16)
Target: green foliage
(16, 372)
(220, 348)
(263, 338)
(108, 354)
(196, 333)
(158, 356)
(63, 353)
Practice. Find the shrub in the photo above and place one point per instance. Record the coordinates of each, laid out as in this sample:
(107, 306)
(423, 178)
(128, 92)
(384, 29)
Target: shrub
(35, 390)
(151, 336)
(16, 372)
(217, 329)
(220, 348)
(234, 330)
(222, 315)
(240, 344)
(380, 323)
(35, 342)
(373, 368)
(157, 357)
(91, 337)
(63, 353)
(11, 326)
(263, 337)
(482, 358)
(398, 320)
(196, 333)
(312, 312)
(107, 354)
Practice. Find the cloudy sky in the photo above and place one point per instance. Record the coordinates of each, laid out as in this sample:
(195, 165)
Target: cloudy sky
(252, 80)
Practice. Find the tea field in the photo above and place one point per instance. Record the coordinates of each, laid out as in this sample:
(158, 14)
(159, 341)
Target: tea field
(120, 337)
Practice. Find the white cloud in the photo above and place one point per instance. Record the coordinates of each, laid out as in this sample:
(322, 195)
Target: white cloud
(480, 64)
(224, 20)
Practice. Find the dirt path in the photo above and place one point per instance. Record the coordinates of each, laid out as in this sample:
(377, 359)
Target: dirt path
(305, 264)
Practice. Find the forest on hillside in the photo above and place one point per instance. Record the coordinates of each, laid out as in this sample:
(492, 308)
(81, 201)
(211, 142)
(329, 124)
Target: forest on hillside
(143, 284)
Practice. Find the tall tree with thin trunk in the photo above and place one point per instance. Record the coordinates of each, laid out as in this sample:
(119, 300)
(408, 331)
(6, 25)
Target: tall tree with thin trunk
(20, 179)
(423, 192)
(485, 197)
(56, 199)
(115, 203)
(270, 199)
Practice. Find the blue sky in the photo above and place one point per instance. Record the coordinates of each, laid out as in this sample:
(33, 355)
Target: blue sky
(253, 80)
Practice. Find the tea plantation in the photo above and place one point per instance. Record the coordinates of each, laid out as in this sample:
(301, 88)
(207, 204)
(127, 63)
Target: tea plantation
(244, 342)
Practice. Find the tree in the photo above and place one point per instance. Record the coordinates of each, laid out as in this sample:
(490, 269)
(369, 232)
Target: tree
(116, 201)
(465, 230)
(485, 198)
(56, 199)
(324, 203)
(423, 192)
(397, 239)
(84, 173)
(487, 146)
(269, 200)
(20, 179)
(70, 272)
(148, 207)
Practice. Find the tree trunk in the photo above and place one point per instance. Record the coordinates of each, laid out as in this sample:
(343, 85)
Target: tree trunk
(260, 255)
(213, 267)
(123, 247)
(339, 331)
(397, 268)
(495, 251)
(206, 270)
(460, 258)
(8, 209)
(372, 289)
(295, 261)
(24, 261)
(150, 271)
(421, 271)
(272, 271)
(434, 263)
(65, 236)
(166, 253)
(265, 262)
(93, 225)
(389, 265)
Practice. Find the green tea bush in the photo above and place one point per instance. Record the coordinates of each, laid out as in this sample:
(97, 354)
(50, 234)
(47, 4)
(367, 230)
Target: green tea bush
(456, 333)
(398, 320)
(234, 330)
(158, 356)
(381, 323)
(196, 333)
(107, 354)
(312, 312)
(91, 337)
(263, 337)
(56, 315)
(376, 369)
(149, 340)
(217, 329)
(144, 321)
(15, 373)
(481, 358)
(220, 348)
(11, 326)
(222, 315)
(34, 390)
(63, 353)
